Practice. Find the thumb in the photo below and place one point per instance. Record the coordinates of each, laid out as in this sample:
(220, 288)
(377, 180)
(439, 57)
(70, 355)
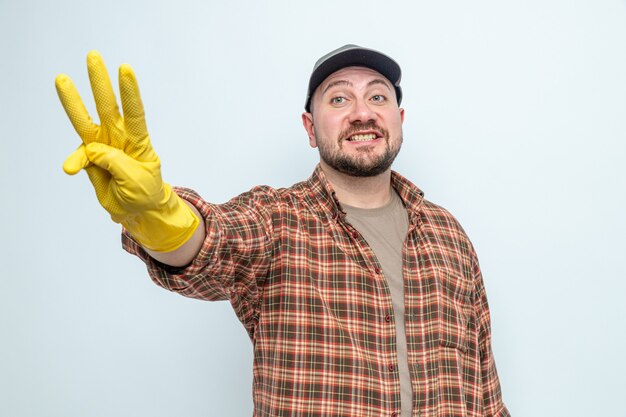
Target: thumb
(109, 158)
(76, 161)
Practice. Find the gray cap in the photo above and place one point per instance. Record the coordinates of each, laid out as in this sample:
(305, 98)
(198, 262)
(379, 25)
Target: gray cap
(353, 56)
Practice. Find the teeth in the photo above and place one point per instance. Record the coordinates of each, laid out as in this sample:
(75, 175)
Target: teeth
(363, 138)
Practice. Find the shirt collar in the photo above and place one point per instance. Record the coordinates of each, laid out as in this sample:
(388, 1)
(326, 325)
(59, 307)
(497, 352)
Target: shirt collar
(411, 196)
(323, 193)
(323, 196)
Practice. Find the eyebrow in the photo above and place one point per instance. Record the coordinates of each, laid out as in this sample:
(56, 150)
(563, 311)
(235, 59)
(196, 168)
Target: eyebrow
(348, 83)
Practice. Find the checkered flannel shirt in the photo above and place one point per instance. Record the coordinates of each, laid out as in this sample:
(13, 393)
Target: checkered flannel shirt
(312, 297)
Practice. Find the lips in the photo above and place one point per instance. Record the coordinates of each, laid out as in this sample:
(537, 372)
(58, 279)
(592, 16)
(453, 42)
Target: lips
(363, 132)
(363, 137)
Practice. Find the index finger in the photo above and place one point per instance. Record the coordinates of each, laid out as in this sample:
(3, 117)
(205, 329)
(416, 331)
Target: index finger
(75, 108)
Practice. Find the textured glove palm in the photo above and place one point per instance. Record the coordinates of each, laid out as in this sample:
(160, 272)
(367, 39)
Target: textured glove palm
(120, 161)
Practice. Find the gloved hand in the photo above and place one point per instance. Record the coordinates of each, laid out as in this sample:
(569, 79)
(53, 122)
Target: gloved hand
(120, 161)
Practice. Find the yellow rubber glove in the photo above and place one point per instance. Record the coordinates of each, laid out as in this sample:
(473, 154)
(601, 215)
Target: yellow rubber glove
(120, 161)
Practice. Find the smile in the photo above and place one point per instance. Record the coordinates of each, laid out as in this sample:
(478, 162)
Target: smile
(362, 138)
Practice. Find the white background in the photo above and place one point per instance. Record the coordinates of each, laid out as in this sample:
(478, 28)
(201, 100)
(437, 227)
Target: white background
(515, 122)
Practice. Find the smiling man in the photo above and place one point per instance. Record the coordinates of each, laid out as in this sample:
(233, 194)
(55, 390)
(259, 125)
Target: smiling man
(360, 297)
(357, 128)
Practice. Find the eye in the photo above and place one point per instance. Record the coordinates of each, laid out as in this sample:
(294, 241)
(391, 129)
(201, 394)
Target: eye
(338, 100)
(378, 98)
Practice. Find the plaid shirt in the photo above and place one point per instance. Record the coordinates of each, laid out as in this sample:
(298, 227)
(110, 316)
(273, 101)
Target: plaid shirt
(312, 297)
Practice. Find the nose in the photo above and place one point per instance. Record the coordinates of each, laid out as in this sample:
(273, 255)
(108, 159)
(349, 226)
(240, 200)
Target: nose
(362, 112)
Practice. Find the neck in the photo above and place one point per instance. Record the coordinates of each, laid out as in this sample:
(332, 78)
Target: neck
(361, 192)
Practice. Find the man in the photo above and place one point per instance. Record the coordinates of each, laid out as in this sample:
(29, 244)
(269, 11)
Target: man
(361, 298)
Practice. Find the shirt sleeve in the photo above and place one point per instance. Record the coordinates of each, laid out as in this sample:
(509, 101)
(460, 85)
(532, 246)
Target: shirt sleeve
(493, 406)
(234, 258)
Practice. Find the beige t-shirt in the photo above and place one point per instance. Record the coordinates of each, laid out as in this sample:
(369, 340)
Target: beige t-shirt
(385, 230)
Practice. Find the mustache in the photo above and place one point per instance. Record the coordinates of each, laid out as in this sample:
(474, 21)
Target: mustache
(357, 127)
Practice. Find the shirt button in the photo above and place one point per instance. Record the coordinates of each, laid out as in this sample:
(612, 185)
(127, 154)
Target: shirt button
(391, 368)
(378, 270)
(388, 318)
(395, 414)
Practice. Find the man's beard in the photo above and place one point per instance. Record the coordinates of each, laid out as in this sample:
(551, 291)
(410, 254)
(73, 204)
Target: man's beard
(363, 164)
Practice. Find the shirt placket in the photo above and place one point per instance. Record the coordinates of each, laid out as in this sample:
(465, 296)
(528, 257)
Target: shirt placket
(388, 361)
(417, 318)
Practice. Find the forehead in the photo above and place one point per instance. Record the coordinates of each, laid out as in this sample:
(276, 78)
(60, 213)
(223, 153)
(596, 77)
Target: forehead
(354, 75)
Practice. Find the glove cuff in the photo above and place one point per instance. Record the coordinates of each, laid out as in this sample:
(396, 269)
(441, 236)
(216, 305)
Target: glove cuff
(164, 229)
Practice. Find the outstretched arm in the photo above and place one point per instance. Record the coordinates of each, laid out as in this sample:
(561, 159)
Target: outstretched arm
(124, 169)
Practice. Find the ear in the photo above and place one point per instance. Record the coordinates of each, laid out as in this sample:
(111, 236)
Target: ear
(307, 122)
(401, 114)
